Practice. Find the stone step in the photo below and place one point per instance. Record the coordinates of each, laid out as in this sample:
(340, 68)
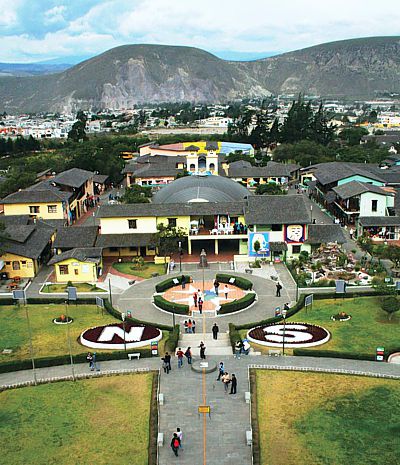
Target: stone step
(223, 337)
(219, 351)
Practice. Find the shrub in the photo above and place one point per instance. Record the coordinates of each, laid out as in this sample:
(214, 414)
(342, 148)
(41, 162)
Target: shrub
(172, 342)
(168, 283)
(236, 305)
(332, 354)
(171, 306)
(233, 335)
(243, 283)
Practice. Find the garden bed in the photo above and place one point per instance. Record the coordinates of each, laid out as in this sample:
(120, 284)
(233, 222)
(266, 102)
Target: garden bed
(62, 288)
(148, 270)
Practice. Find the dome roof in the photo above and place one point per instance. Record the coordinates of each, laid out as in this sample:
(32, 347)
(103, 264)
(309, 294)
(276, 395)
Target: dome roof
(201, 189)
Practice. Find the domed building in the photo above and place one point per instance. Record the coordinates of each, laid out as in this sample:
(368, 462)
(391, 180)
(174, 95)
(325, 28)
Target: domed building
(197, 188)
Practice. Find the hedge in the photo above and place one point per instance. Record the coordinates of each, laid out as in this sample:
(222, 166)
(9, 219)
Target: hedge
(332, 354)
(168, 283)
(171, 306)
(233, 335)
(172, 342)
(236, 305)
(243, 283)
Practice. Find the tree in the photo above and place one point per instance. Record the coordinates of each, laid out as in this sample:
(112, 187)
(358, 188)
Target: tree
(256, 246)
(269, 189)
(167, 239)
(304, 153)
(390, 305)
(352, 136)
(77, 132)
(392, 253)
(137, 194)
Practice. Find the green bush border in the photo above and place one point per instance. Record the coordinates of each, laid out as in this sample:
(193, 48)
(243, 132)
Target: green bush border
(240, 282)
(332, 354)
(237, 304)
(168, 283)
(172, 307)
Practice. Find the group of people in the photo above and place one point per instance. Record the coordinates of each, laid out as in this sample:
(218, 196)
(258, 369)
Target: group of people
(91, 358)
(190, 326)
(227, 379)
(242, 347)
(216, 288)
(176, 441)
(239, 228)
(198, 300)
(180, 354)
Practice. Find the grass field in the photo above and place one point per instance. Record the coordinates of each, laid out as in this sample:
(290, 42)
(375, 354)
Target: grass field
(97, 421)
(368, 328)
(144, 272)
(80, 287)
(48, 338)
(323, 419)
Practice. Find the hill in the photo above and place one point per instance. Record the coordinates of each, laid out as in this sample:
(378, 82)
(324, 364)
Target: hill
(131, 74)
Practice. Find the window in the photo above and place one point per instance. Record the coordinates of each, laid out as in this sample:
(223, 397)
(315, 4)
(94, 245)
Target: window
(132, 249)
(132, 224)
(63, 269)
(34, 209)
(8, 263)
(172, 222)
(296, 248)
(52, 208)
(212, 167)
(16, 265)
(113, 249)
(374, 205)
(276, 227)
(192, 168)
(76, 271)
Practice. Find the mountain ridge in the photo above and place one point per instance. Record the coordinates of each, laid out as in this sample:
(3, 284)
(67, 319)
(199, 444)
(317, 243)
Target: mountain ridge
(135, 74)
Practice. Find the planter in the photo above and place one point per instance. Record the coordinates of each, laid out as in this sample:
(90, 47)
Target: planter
(63, 321)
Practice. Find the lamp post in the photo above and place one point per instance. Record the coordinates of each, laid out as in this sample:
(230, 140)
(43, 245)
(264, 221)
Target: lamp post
(69, 343)
(123, 315)
(311, 213)
(30, 342)
(284, 312)
(180, 256)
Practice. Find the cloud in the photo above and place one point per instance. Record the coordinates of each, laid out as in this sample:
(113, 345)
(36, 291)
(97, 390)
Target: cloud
(53, 28)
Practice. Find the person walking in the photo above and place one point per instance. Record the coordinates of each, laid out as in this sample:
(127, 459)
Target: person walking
(95, 366)
(175, 443)
(185, 325)
(221, 370)
(183, 281)
(199, 295)
(226, 290)
(180, 354)
(202, 350)
(188, 355)
(167, 359)
(226, 380)
(190, 326)
(233, 384)
(200, 303)
(238, 349)
(165, 365)
(216, 286)
(195, 297)
(215, 331)
(180, 437)
(193, 326)
(278, 289)
(351, 232)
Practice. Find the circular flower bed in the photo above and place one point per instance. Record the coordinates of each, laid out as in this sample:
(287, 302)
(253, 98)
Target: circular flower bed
(63, 320)
(342, 316)
(294, 335)
(112, 336)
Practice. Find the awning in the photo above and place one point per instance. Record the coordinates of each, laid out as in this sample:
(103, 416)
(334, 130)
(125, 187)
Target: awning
(278, 246)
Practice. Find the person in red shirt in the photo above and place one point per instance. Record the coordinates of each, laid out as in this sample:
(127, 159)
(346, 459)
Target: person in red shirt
(180, 354)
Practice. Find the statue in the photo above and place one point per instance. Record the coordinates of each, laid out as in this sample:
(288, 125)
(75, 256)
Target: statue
(203, 259)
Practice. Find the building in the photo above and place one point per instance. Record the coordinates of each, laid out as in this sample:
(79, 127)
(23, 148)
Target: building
(278, 173)
(79, 265)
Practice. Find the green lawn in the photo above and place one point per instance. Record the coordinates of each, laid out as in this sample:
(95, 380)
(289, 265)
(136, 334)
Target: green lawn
(368, 329)
(97, 421)
(327, 419)
(145, 272)
(48, 338)
(80, 287)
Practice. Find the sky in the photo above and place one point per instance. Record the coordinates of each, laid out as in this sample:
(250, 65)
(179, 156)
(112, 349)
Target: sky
(68, 30)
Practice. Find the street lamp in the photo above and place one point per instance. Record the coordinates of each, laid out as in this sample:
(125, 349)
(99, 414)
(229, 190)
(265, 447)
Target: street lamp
(180, 256)
(69, 342)
(123, 315)
(311, 213)
(284, 312)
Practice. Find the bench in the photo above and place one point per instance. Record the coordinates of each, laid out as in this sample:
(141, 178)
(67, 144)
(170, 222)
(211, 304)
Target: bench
(248, 271)
(249, 438)
(161, 398)
(160, 439)
(247, 397)
(134, 355)
(274, 352)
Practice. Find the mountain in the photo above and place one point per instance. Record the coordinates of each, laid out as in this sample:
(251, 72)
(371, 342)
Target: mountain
(31, 69)
(131, 74)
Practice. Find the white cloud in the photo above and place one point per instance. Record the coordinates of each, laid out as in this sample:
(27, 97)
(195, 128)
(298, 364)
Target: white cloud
(9, 12)
(55, 15)
(215, 25)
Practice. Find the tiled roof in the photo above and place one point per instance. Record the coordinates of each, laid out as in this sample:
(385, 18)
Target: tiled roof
(353, 188)
(76, 236)
(379, 220)
(88, 254)
(277, 209)
(124, 240)
(75, 177)
(324, 233)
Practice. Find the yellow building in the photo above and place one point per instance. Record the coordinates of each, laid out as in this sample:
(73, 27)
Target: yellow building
(80, 265)
(25, 247)
(43, 204)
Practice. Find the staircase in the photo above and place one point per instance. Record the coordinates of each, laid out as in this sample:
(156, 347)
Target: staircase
(221, 346)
